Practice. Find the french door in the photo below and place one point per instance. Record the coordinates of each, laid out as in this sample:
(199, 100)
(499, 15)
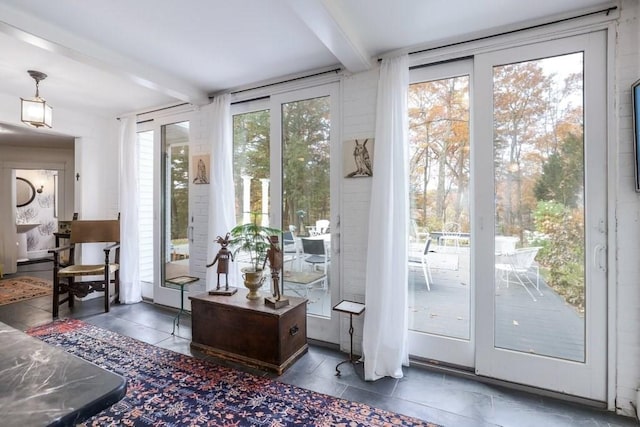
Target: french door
(441, 316)
(286, 173)
(165, 222)
(512, 197)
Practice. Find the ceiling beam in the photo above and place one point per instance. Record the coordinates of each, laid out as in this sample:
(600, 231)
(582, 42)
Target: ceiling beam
(325, 20)
(44, 35)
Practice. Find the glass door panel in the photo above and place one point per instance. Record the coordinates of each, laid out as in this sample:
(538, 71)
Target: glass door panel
(306, 201)
(440, 322)
(539, 207)
(541, 297)
(175, 230)
(285, 177)
(175, 221)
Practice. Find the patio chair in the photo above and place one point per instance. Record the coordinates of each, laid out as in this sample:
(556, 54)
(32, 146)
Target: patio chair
(451, 233)
(321, 227)
(518, 265)
(290, 249)
(316, 253)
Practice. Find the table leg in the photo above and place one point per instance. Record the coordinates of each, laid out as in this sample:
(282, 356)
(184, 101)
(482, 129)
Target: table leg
(176, 321)
(350, 360)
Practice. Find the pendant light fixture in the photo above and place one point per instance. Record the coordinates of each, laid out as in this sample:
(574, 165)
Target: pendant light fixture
(36, 111)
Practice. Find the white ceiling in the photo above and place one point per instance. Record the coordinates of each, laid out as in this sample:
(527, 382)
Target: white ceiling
(119, 56)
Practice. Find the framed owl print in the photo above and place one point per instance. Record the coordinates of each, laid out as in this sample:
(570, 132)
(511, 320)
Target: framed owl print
(358, 158)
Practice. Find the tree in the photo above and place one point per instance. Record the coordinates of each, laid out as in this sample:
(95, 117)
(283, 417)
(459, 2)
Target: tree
(251, 156)
(563, 174)
(305, 158)
(519, 107)
(439, 136)
(179, 171)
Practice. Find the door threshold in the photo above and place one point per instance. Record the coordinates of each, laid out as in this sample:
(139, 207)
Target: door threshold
(466, 372)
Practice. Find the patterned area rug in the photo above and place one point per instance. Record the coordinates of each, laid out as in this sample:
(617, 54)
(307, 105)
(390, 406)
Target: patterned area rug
(171, 389)
(23, 288)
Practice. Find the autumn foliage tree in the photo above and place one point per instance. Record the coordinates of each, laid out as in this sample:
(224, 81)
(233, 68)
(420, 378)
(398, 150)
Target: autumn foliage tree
(439, 134)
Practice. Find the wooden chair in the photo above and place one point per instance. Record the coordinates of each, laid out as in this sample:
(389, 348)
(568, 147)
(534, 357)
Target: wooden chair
(106, 231)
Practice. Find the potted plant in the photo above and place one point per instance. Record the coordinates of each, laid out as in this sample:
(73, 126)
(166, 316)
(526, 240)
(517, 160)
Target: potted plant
(252, 239)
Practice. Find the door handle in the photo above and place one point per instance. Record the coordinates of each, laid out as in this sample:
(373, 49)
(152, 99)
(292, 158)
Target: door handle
(598, 250)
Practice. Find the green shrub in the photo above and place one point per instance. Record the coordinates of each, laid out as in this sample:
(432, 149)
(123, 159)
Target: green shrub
(562, 255)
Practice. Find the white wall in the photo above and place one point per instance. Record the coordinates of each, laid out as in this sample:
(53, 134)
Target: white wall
(199, 129)
(26, 158)
(626, 203)
(96, 159)
(359, 122)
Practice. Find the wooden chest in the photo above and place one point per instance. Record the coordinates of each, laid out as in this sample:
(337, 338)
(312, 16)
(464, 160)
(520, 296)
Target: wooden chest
(249, 332)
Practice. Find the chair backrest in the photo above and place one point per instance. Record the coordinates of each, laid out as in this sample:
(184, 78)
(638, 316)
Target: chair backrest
(313, 246)
(95, 231)
(322, 226)
(287, 238)
(523, 257)
(451, 229)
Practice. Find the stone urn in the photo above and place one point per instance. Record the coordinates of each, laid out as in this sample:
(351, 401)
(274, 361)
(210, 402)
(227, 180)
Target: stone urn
(253, 281)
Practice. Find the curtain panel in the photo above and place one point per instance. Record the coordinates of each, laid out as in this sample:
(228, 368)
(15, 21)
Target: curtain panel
(386, 319)
(130, 287)
(221, 191)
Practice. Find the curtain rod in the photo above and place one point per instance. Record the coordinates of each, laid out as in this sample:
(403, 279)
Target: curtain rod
(293, 79)
(606, 11)
(156, 110)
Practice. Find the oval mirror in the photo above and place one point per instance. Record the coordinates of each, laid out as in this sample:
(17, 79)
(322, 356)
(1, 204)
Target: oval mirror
(25, 192)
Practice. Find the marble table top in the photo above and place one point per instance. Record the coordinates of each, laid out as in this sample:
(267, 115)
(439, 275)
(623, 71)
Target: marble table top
(42, 385)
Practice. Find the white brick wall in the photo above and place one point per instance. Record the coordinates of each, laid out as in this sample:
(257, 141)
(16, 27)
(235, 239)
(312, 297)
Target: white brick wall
(358, 121)
(627, 68)
(199, 129)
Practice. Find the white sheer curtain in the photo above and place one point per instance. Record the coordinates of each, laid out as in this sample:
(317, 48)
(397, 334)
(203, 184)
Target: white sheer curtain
(385, 325)
(130, 288)
(221, 191)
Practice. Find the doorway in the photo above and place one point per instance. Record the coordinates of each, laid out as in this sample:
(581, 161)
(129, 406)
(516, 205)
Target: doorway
(165, 223)
(510, 195)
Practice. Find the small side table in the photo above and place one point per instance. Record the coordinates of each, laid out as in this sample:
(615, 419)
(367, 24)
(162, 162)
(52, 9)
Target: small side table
(351, 308)
(180, 281)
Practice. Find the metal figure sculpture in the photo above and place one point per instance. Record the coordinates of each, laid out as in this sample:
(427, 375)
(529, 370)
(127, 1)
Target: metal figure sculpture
(222, 258)
(274, 256)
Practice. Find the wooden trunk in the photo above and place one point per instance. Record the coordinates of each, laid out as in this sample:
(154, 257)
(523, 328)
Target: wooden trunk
(249, 332)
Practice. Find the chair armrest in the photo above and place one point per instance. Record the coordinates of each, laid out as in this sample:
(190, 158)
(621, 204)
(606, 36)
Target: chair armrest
(114, 246)
(108, 249)
(60, 249)
(57, 262)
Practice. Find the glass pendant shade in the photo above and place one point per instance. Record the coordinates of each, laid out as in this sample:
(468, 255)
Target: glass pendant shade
(36, 112)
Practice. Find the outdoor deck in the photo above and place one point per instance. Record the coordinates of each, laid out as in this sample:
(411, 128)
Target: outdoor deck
(547, 326)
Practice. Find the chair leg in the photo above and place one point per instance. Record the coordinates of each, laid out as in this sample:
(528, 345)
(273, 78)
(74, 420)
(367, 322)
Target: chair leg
(117, 286)
(427, 273)
(56, 296)
(106, 289)
(70, 296)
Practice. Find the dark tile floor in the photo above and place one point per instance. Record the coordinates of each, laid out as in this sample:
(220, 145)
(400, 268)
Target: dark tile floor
(442, 398)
